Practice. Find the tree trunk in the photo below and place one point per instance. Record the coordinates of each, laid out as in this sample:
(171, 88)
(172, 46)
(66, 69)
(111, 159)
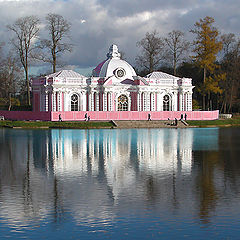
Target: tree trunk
(174, 64)
(151, 65)
(203, 102)
(54, 63)
(10, 102)
(231, 97)
(204, 79)
(28, 87)
(54, 57)
(208, 102)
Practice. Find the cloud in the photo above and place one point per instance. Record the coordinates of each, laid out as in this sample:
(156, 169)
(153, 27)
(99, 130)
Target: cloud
(96, 24)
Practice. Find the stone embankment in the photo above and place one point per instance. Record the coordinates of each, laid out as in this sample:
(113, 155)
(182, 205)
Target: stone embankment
(149, 124)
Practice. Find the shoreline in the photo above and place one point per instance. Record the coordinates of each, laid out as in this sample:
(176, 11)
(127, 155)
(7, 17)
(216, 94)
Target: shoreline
(117, 124)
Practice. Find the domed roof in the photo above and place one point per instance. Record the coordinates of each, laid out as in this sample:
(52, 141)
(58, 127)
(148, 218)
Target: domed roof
(114, 66)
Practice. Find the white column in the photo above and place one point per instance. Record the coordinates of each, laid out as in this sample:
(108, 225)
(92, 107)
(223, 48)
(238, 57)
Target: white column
(59, 96)
(54, 101)
(129, 102)
(97, 101)
(143, 96)
(92, 101)
(46, 101)
(139, 102)
(65, 100)
(184, 101)
(161, 101)
(84, 101)
(147, 101)
(110, 104)
(180, 101)
(158, 102)
(49, 101)
(174, 102)
(89, 101)
(152, 101)
(189, 101)
(105, 101)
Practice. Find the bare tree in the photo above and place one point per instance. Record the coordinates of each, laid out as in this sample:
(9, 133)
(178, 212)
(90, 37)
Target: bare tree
(177, 46)
(152, 48)
(228, 41)
(231, 65)
(58, 29)
(26, 30)
(1, 45)
(10, 77)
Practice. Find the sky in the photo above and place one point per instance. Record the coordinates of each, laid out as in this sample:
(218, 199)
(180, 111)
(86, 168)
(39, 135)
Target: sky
(96, 24)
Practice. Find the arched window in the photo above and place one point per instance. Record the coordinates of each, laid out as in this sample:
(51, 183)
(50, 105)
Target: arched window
(144, 102)
(96, 101)
(74, 102)
(122, 103)
(166, 103)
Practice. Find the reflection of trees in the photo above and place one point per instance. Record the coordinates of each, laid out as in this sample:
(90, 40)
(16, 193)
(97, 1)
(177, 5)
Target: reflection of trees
(27, 191)
(58, 202)
(206, 185)
(230, 151)
(213, 166)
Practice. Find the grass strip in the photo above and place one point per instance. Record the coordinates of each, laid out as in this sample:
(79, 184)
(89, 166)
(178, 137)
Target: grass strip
(46, 124)
(101, 124)
(225, 122)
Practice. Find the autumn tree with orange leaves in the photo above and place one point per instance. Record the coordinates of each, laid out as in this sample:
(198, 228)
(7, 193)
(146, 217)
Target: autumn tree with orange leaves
(206, 47)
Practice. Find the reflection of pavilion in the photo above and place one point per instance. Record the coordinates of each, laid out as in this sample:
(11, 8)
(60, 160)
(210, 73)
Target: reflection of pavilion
(120, 155)
(166, 151)
(85, 169)
(159, 151)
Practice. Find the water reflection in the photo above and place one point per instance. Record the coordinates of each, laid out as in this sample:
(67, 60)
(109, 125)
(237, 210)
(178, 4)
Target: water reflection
(96, 176)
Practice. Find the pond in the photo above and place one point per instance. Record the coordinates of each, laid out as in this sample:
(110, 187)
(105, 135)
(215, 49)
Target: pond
(120, 183)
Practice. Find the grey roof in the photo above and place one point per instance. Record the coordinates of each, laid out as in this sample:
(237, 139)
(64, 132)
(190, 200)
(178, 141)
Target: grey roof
(160, 75)
(66, 74)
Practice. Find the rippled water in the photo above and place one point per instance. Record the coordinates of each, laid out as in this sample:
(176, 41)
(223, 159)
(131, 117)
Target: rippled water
(120, 184)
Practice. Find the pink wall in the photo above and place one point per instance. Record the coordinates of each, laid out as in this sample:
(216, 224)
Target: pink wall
(134, 115)
(101, 115)
(36, 101)
(26, 115)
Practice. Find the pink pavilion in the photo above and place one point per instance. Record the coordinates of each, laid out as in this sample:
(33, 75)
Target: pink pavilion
(114, 92)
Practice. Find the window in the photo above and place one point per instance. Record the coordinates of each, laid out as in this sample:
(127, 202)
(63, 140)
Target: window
(122, 103)
(144, 102)
(96, 101)
(166, 103)
(119, 72)
(74, 102)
